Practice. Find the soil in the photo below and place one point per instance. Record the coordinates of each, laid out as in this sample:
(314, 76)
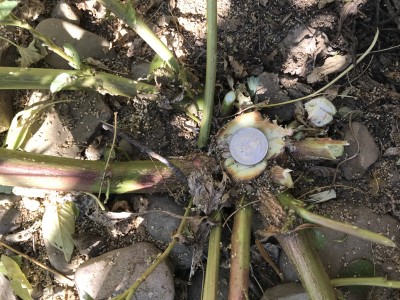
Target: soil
(256, 36)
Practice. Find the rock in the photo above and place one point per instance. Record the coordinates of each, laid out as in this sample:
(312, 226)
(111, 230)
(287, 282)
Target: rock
(268, 89)
(287, 291)
(196, 285)
(162, 226)
(140, 70)
(6, 109)
(87, 44)
(67, 12)
(112, 273)
(355, 168)
(6, 291)
(9, 216)
(68, 126)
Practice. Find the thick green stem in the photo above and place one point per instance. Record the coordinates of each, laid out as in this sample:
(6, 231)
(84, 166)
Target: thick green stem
(240, 254)
(305, 258)
(288, 201)
(21, 78)
(56, 173)
(211, 68)
(210, 291)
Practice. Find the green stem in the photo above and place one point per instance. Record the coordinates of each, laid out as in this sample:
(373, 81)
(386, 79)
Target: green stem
(211, 68)
(36, 78)
(309, 267)
(240, 253)
(57, 173)
(210, 291)
(288, 201)
(370, 281)
(128, 294)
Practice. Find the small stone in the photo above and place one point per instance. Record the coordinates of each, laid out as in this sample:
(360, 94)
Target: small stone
(287, 291)
(86, 43)
(161, 226)
(112, 273)
(67, 12)
(356, 167)
(9, 217)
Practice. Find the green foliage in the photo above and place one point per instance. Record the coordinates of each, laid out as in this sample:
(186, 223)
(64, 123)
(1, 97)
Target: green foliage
(61, 81)
(19, 284)
(59, 225)
(5, 9)
(70, 51)
(358, 268)
(252, 83)
(29, 55)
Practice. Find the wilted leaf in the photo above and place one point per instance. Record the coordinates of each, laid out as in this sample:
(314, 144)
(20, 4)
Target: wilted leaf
(58, 225)
(19, 284)
(322, 196)
(20, 128)
(29, 55)
(6, 7)
(332, 64)
(320, 111)
(61, 81)
(71, 52)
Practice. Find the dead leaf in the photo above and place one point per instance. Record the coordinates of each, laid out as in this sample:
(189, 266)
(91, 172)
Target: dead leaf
(332, 64)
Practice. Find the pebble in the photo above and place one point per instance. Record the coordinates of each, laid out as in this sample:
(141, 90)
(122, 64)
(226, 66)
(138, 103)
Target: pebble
(286, 291)
(161, 226)
(86, 43)
(112, 273)
(9, 216)
(368, 153)
(67, 12)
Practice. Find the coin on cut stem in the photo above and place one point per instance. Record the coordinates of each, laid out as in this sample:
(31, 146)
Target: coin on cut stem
(248, 146)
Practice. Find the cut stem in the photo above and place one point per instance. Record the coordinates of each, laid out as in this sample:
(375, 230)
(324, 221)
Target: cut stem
(57, 173)
(240, 254)
(210, 291)
(370, 281)
(14, 78)
(211, 69)
(309, 267)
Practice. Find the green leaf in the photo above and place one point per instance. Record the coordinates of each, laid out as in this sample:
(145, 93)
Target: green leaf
(358, 268)
(29, 55)
(61, 81)
(58, 225)
(5, 9)
(19, 283)
(71, 52)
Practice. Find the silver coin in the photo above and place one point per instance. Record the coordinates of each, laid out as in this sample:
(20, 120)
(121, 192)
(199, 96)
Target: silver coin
(248, 146)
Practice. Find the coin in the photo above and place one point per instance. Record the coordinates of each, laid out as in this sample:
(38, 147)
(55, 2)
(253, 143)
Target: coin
(248, 146)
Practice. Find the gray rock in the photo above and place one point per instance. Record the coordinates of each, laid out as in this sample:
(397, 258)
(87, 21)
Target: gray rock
(368, 151)
(161, 226)
(268, 88)
(67, 12)
(287, 291)
(112, 273)
(6, 291)
(9, 216)
(68, 126)
(140, 70)
(87, 44)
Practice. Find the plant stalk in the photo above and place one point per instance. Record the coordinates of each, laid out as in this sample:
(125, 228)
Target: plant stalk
(309, 267)
(57, 173)
(240, 254)
(370, 281)
(21, 78)
(211, 69)
(210, 290)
